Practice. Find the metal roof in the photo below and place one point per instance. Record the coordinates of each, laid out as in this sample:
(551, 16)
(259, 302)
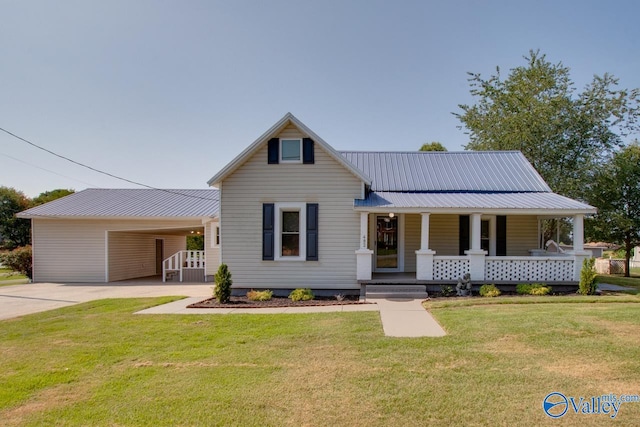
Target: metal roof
(131, 203)
(465, 171)
(442, 201)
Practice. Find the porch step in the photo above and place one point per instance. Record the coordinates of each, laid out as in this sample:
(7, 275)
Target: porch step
(396, 291)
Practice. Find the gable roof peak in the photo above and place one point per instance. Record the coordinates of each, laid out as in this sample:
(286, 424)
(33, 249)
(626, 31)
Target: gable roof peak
(274, 130)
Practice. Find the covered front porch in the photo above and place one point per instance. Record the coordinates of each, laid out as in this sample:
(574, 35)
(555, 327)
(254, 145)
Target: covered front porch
(406, 246)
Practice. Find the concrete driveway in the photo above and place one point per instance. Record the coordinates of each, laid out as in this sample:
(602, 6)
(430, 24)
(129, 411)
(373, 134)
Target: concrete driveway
(31, 298)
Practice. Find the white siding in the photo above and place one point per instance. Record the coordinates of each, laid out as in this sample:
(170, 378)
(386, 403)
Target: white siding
(69, 250)
(325, 182)
(522, 234)
(133, 255)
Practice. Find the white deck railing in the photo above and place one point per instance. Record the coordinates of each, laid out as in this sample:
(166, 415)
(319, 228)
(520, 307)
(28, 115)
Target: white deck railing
(449, 268)
(182, 260)
(529, 269)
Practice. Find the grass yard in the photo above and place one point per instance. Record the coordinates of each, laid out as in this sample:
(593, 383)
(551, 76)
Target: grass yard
(616, 279)
(98, 364)
(10, 277)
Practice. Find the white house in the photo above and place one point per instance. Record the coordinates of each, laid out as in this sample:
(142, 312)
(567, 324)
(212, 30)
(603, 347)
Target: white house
(290, 211)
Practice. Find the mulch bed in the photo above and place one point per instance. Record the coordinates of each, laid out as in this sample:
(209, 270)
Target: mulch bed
(244, 302)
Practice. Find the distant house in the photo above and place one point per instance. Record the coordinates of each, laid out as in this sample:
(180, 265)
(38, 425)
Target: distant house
(291, 211)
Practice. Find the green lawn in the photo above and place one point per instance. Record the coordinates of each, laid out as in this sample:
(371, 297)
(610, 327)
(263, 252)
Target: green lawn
(615, 279)
(98, 364)
(9, 277)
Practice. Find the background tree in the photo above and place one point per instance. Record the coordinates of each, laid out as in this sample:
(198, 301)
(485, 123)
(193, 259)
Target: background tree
(49, 196)
(433, 146)
(566, 135)
(616, 194)
(14, 232)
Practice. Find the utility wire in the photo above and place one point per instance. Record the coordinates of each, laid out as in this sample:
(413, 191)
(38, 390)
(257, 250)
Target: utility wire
(100, 171)
(47, 170)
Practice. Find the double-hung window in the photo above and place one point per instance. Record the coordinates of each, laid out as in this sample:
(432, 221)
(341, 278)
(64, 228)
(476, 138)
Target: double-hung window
(290, 231)
(291, 150)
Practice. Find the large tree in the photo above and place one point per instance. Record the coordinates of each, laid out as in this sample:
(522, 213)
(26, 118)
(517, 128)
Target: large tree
(49, 196)
(433, 146)
(566, 135)
(616, 194)
(14, 231)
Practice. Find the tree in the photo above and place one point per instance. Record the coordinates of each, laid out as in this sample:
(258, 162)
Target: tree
(14, 232)
(616, 194)
(433, 146)
(49, 196)
(566, 135)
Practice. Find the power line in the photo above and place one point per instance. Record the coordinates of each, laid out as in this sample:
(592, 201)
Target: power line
(101, 171)
(47, 170)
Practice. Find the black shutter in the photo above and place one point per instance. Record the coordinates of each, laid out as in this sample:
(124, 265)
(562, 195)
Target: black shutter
(268, 242)
(274, 151)
(307, 151)
(312, 232)
(464, 233)
(501, 236)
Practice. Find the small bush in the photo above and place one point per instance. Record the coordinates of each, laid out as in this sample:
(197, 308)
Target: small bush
(489, 291)
(446, 290)
(301, 295)
(533, 289)
(588, 280)
(539, 289)
(20, 260)
(222, 291)
(265, 295)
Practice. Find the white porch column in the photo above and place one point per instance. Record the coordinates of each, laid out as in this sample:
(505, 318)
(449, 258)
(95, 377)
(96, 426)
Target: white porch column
(424, 256)
(578, 246)
(476, 254)
(364, 255)
(578, 233)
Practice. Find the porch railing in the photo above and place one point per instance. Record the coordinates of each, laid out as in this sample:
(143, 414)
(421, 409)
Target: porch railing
(182, 260)
(530, 269)
(449, 268)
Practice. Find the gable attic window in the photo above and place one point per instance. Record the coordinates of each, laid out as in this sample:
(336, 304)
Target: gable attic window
(290, 150)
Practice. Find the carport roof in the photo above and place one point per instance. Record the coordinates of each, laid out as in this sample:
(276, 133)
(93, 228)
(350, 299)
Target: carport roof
(131, 203)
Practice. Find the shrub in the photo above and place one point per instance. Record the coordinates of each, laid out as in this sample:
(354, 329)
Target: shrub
(265, 295)
(20, 260)
(533, 289)
(588, 280)
(539, 289)
(489, 291)
(446, 290)
(301, 295)
(222, 291)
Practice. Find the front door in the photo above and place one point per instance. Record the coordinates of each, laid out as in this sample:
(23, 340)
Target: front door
(387, 233)
(159, 255)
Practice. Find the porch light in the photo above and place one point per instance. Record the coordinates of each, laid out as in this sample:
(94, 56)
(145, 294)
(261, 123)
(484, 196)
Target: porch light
(391, 214)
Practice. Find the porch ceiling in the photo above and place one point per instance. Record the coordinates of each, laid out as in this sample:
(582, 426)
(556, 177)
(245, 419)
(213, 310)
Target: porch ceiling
(538, 203)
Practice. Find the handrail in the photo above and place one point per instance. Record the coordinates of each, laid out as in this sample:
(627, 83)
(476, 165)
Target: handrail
(182, 260)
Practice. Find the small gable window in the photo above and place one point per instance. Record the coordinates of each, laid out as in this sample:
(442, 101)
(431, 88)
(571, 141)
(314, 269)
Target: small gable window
(290, 150)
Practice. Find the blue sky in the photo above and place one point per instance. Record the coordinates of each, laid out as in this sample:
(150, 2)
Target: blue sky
(167, 92)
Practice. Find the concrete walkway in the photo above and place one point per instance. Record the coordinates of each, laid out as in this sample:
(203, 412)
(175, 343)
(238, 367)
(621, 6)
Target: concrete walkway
(608, 287)
(400, 317)
(407, 318)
